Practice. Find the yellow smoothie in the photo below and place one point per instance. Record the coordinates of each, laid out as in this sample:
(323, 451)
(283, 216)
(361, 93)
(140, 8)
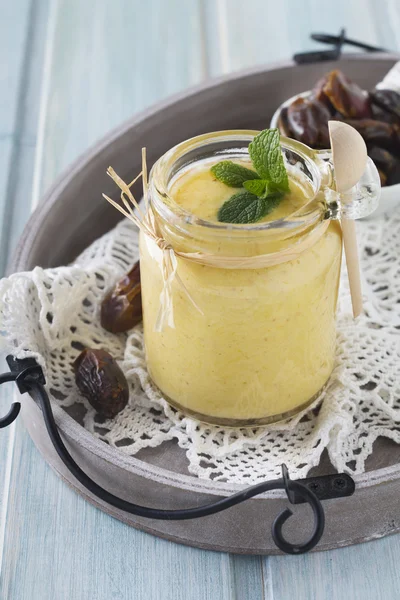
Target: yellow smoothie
(264, 345)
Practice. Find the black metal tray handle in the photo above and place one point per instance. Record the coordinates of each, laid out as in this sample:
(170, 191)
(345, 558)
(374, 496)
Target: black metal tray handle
(337, 41)
(29, 377)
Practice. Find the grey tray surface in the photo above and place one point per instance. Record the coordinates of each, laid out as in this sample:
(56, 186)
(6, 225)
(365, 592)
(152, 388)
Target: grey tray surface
(73, 214)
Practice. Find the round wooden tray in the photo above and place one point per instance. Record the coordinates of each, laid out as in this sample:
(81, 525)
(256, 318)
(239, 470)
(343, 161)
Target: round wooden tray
(73, 214)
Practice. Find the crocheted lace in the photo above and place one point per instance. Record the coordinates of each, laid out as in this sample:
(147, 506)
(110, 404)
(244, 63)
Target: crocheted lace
(52, 314)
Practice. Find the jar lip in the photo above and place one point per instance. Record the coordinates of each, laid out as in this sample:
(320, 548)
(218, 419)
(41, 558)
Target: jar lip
(171, 211)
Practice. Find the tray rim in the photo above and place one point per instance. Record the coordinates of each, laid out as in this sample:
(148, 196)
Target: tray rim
(87, 156)
(64, 421)
(187, 541)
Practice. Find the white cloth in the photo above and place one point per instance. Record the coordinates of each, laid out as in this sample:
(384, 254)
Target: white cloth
(52, 314)
(391, 81)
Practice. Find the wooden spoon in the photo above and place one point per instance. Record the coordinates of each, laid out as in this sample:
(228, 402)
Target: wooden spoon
(349, 155)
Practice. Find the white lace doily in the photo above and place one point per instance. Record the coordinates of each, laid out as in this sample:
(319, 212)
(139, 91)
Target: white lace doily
(52, 314)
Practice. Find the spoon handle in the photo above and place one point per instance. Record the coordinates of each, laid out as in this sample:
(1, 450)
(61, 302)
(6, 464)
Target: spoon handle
(353, 265)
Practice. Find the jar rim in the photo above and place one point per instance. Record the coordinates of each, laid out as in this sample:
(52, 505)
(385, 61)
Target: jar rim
(170, 211)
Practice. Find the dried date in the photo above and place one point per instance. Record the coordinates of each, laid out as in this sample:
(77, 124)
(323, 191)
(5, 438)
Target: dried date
(388, 101)
(283, 124)
(121, 309)
(101, 381)
(377, 133)
(318, 93)
(379, 114)
(388, 165)
(394, 175)
(308, 121)
(346, 96)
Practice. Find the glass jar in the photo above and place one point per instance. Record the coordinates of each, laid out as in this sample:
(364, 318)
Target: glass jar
(252, 339)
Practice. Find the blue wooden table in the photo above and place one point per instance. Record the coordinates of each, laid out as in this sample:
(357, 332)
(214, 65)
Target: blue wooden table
(69, 71)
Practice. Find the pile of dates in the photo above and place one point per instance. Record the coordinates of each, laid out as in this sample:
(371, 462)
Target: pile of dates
(375, 114)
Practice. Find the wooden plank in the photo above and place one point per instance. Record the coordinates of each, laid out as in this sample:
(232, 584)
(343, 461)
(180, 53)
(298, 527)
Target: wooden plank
(386, 17)
(248, 578)
(21, 174)
(6, 451)
(22, 35)
(126, 58)
(365, 572)
(59, 546)
(216, 37)
(15, 44)
(14, 36)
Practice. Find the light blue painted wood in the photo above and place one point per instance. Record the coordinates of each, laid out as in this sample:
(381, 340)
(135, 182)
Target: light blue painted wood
(365, 572)
(20, 84)
(14, 33)
(386, 16)
(58, 547)
(248, 578)
(22, 38)
(216, 37)
(21, 172)
(6, 447)
(124, 57)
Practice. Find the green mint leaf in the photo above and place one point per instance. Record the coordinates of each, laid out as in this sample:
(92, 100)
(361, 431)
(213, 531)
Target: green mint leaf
(232, 174)
(245, 207)
(266, 155)
(256, 186)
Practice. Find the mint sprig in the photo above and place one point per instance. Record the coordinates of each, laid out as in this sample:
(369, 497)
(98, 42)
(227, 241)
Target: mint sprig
(263, 189)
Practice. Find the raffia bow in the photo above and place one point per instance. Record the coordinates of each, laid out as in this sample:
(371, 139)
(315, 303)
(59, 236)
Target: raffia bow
(147, 224)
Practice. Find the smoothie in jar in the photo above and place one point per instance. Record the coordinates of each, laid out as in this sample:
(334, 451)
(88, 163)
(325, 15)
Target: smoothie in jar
(261, 344)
